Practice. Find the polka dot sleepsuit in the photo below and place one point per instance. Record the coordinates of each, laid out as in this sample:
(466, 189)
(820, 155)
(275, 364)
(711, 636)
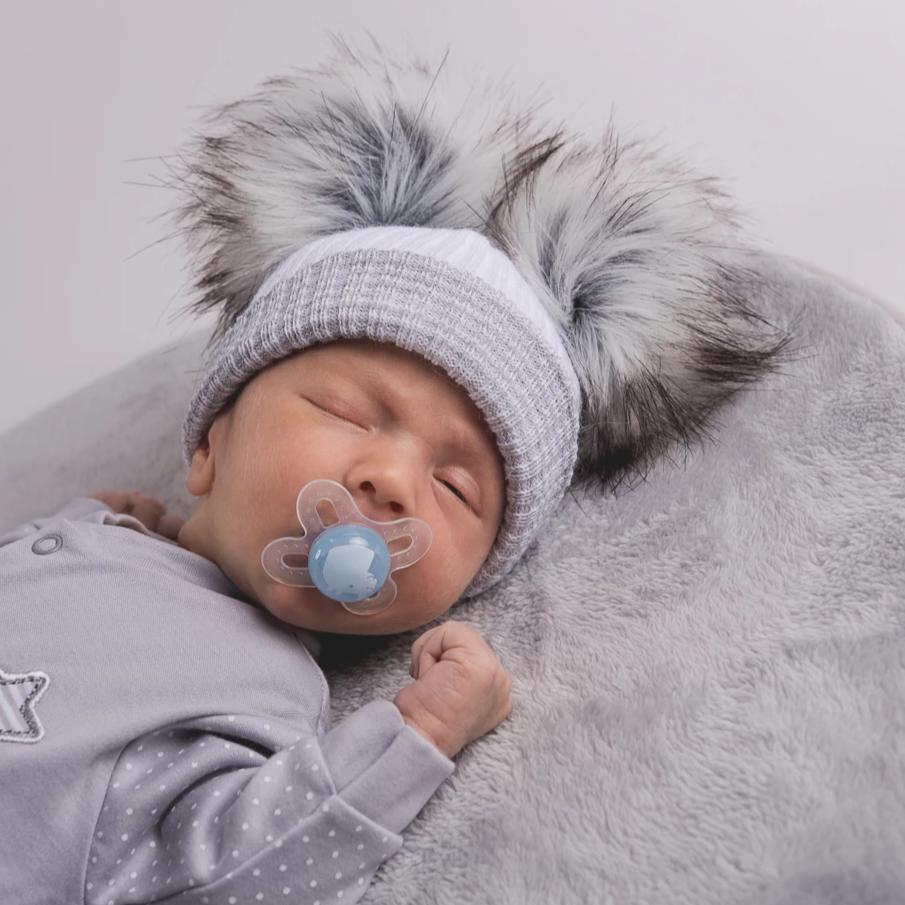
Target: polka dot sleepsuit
(164, 739)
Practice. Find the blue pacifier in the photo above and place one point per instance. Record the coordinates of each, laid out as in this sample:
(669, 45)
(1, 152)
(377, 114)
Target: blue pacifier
(349, 561)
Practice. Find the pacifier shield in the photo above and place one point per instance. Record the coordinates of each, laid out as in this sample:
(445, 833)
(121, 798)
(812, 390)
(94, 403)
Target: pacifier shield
(348, 561)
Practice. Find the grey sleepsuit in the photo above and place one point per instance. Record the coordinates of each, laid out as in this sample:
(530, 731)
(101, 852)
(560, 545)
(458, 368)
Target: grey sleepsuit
(164, 739)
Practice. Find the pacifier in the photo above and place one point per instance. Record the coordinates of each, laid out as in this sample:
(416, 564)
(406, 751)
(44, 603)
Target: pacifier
(349, 561)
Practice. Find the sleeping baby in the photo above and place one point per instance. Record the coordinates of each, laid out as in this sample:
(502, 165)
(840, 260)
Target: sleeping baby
(194, 759)
(432, 326)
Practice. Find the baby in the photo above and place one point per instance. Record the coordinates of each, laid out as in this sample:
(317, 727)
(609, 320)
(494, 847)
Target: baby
(452, 321)
(193, 760)
(315, 413)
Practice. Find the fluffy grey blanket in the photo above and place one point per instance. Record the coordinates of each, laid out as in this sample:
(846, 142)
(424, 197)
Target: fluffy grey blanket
(709, 669)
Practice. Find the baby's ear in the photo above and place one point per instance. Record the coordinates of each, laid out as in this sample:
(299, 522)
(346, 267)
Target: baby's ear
(196, 479)
(200, 477)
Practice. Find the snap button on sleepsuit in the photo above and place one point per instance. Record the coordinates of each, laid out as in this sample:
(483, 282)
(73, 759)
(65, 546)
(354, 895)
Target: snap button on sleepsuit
(50, 543)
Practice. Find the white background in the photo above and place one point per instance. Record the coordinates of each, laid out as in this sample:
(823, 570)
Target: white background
(796, 104)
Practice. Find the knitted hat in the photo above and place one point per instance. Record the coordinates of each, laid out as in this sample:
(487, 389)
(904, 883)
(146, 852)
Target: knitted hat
(594, 311)
(450, 296)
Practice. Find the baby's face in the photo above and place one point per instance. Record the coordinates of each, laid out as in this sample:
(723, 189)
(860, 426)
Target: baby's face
(389, 427)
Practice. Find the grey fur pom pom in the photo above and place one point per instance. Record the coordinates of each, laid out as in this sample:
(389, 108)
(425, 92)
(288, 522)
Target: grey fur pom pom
(364, 140)
(637, 261)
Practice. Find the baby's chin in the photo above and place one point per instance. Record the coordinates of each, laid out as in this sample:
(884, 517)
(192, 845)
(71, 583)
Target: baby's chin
(309, 609)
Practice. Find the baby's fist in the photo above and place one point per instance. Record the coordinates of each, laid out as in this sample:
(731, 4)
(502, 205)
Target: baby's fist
(461, 690)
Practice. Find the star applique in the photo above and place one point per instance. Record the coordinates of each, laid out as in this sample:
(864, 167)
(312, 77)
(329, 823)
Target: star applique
(19, 692)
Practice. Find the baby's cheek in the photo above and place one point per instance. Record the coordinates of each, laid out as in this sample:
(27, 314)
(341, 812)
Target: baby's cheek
(278, 597)
(432, 592)
(454, 566)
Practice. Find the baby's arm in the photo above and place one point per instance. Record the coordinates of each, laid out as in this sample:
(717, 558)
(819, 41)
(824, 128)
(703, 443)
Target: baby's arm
(242, 806)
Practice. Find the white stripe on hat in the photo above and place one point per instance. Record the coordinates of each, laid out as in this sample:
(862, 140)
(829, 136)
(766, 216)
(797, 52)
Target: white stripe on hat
(463, 249)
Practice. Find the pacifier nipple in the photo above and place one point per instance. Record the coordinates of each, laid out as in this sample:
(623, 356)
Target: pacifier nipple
(349, 561)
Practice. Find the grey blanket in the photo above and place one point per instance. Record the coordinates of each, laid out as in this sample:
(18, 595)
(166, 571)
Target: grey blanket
(709, 669)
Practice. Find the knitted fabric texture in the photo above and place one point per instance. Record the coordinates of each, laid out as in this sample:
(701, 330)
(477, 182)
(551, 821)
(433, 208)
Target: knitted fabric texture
(451, 297)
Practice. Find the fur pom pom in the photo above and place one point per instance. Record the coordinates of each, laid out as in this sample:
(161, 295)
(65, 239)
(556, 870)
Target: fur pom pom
(636, 262)
(364, 140)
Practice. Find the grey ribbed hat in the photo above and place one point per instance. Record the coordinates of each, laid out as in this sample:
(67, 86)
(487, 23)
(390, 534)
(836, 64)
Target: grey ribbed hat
(451, 297)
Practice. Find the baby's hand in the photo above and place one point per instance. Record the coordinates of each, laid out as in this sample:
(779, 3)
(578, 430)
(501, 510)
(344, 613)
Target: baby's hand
(462, 690)
(150, 512)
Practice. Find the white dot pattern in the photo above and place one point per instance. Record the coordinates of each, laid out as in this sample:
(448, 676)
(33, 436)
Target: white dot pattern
(262, 826)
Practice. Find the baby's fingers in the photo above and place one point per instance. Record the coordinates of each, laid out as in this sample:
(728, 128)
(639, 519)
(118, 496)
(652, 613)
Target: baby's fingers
(451, 635)
(115, 499)
(146, 509)
(132, 502)
(169, 525)
(418, 648)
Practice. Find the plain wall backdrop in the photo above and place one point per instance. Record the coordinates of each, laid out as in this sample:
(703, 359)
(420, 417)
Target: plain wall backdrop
(795, 104)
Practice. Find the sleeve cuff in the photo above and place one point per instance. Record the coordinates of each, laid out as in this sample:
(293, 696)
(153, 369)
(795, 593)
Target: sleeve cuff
(382, 767)
(79, 507)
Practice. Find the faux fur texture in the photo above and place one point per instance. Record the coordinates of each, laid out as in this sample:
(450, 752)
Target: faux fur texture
(638, 261)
